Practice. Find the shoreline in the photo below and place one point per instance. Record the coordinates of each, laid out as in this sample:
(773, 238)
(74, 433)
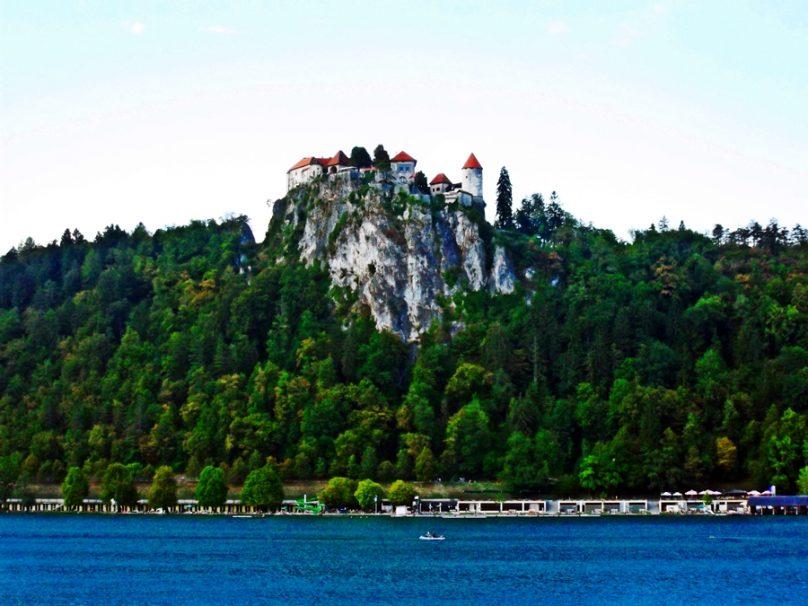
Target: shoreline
(447, 508)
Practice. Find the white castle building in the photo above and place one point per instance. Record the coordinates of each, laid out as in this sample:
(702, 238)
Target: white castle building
(310, 168)
(401, 176)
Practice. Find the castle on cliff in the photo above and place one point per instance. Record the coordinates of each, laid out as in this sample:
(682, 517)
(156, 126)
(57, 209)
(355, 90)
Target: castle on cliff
(400, 177)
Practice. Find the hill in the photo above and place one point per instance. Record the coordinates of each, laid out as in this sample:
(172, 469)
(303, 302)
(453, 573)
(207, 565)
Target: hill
(389, 336)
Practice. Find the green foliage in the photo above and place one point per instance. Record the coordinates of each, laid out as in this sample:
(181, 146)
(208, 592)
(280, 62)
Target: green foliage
(163, 490)
(263, 489)
(670, 361)
(360, 158)
(381, 159)
(118, 484)
(504, 201)
(600, 470)
(369, 494)
(401, 493)
(802, 481)
(468, 439)
(335, 233)
(339, 492)
(9, 471)
(74, 488)
(420, 182)
(211, 489)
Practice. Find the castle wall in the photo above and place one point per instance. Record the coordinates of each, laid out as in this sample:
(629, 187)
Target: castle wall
(304, 174)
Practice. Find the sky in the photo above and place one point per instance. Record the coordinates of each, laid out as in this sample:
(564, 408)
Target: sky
(164, 112)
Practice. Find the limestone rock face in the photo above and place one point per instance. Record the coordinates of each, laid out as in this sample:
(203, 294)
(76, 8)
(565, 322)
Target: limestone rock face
(399, 260)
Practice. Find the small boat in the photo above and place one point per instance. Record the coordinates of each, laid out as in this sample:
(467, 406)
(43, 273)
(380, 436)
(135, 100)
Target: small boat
(432, 537)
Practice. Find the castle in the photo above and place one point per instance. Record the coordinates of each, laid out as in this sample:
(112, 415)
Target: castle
(400, 177)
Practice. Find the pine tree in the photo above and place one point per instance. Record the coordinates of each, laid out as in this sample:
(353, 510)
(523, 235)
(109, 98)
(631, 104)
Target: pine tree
(504, 201)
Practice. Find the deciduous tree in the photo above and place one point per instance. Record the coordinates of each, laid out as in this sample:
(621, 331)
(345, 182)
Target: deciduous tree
(74, 488)
(339, 492)
(368, 493)
(360, 157)
(163, 490)
(118, 484)
(263, 489)
(401, 493)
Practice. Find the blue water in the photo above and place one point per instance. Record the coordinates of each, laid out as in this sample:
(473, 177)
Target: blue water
(64, 559)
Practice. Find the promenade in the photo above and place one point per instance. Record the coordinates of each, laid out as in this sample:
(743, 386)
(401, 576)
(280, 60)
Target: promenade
(451, 508)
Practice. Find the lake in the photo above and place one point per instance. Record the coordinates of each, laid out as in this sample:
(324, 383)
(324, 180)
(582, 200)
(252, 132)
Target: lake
(105, 559)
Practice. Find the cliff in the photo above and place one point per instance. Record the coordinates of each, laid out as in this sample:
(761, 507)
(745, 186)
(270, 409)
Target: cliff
(402, 257)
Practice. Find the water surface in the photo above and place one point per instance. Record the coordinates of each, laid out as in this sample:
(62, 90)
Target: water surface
(63, 559)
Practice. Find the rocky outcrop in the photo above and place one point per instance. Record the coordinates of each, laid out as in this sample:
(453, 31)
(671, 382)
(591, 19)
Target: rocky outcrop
(399, 255)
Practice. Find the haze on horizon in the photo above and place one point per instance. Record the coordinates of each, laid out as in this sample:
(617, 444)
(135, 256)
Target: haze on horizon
(166, 112)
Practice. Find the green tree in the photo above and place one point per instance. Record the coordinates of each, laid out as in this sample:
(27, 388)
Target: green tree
(368, 494)
(420, 182)
(339, 492)
(74, 488)
(599, 471)
(504, 201)
(118, 484)
(468, 439)
(802, 481)
(360, 158)
(163, 490)
(381, 159)
(425, 469)
(211, 489)
(9, 470)
(401, 493)
(726, 454)
(530, 217)
(263, 489)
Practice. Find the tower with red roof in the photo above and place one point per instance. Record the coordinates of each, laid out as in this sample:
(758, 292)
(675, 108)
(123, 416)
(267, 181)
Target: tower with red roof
(473, 177)
(402, 167)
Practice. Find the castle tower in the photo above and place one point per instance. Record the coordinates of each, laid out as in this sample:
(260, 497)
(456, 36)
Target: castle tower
(473, 177)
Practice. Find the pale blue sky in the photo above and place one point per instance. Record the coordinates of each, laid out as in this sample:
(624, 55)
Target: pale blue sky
(163, 112)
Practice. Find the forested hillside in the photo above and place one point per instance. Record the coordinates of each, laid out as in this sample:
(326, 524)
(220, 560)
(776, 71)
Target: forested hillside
(670, 362)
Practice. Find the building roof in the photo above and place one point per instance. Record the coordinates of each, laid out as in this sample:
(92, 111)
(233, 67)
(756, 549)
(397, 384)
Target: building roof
(440, 179)
(339, 159)
(472, 162)
(403, 156)
(304, 162)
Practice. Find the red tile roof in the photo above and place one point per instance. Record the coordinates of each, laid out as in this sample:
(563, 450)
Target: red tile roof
(403, 157)
(472, 162)
(304, 162)
(439, 179)
(338, 159)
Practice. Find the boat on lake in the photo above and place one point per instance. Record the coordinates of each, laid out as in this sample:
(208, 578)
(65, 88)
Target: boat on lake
(432, 537)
